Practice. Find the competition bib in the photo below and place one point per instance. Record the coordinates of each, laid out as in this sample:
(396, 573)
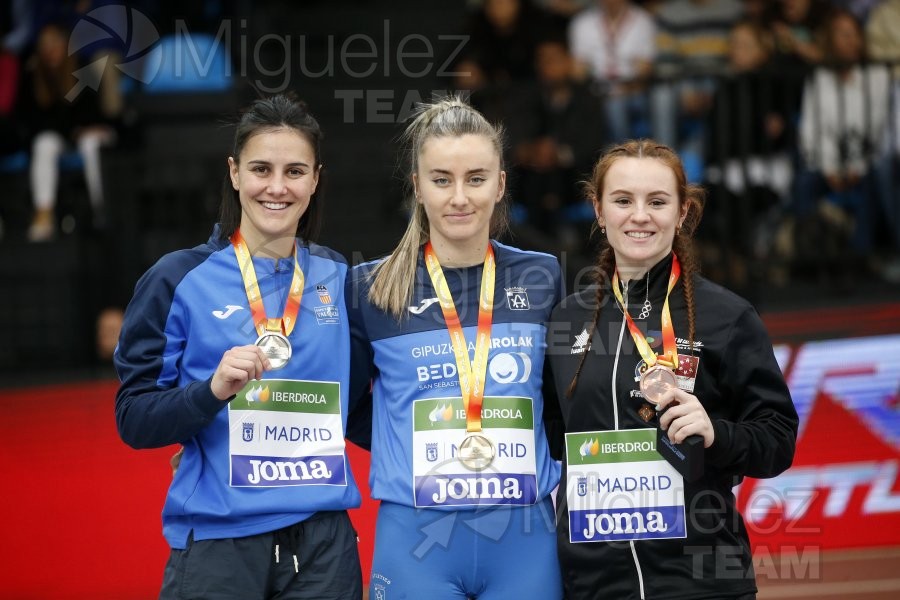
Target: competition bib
(619, 488)
(440, 479)
(284, 432)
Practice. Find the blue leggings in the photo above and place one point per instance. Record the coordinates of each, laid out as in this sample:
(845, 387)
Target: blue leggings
(484, 554)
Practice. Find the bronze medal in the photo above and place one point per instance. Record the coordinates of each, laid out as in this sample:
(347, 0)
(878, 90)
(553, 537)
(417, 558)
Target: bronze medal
(656, 381)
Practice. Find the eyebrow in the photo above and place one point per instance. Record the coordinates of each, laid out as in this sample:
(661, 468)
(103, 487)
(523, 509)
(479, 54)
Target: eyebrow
(630, 193)
(265, 162)
(469, 172)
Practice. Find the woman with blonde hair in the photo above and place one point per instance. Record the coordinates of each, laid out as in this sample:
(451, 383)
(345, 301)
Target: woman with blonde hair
(452, 327)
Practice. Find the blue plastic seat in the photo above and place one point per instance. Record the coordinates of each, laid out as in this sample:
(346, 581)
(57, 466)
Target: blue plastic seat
(582, 212)
(188, 63)
(71, 161)
(16, 162)
(693, 166)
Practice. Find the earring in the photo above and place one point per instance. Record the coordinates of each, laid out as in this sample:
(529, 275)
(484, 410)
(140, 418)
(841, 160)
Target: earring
(603, 230)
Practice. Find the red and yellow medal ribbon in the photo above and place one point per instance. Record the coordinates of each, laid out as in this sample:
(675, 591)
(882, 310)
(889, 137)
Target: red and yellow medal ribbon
(471, 373)
(286, 323)
(670, 350)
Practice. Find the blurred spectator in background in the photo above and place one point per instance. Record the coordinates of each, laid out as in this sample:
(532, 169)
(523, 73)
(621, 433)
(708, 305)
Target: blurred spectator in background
(843, 119)
(556, 131)
(613, 43)
(692, 48)
(504, 34)
(488, 98)
(15, 34)
(10, 134)
(883, 43)
(748, 163)
(109, 324)
(564, 9)
(796, 24)
(55, 120)
(861, 9)
(103, 55)
(758, 12)
(16, 25)
(883, 34)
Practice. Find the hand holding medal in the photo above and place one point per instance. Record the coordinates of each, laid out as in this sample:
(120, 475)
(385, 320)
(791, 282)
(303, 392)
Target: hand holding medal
(660, 386)
(658, 374)
(273, 333)
(238, 366)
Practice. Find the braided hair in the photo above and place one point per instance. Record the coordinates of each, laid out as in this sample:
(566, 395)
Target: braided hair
(690, 200)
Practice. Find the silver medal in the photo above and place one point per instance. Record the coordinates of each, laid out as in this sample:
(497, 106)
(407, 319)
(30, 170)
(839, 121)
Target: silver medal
(276, 347)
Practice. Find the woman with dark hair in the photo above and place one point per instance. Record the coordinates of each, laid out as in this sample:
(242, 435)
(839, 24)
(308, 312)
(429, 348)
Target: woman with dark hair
(239, 350)
(654, 345)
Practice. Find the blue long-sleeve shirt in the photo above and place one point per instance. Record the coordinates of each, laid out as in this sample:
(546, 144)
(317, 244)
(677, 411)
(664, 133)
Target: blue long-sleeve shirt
(274, 454)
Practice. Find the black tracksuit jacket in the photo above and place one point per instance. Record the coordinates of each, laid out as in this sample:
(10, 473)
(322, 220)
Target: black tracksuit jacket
(740, 385)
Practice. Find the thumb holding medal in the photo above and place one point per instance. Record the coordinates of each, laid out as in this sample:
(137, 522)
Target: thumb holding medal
(238, 366)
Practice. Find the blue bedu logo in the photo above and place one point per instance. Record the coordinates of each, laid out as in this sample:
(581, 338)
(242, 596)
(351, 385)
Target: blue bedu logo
(582, 486)
(431, 451)
(248, 432)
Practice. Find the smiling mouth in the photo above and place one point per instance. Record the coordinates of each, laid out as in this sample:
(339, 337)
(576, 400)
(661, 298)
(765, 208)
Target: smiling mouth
(275, 205)
(639, 235)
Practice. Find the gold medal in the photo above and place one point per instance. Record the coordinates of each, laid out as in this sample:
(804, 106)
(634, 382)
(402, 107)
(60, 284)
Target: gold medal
(476, 452)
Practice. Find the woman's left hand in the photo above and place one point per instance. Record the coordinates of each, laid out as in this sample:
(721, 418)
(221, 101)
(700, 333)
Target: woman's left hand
(685, 417)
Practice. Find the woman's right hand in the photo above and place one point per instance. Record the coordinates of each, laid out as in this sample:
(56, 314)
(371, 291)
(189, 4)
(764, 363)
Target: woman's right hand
(238, 366)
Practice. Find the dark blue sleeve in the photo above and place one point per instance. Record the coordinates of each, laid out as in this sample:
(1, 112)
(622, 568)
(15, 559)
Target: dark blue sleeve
(560, 285)
(359, 418)
(150, 414)
(554, 426)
